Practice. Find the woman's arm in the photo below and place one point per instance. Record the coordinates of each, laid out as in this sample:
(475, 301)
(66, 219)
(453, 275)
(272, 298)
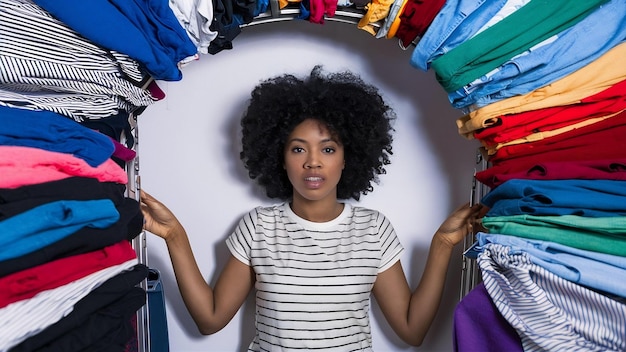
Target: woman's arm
(211, 309)
(410, 314)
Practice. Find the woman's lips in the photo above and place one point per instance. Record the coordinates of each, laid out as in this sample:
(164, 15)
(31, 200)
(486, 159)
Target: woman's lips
(313, 181)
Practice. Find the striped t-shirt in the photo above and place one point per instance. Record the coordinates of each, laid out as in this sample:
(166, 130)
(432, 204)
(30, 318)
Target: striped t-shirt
(313, 280)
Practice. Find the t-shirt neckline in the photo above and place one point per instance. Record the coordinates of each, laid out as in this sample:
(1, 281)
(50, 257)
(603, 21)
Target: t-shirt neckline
(317, 225)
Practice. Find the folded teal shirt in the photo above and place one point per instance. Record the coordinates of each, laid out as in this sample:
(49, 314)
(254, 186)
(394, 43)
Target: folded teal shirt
(604, 235)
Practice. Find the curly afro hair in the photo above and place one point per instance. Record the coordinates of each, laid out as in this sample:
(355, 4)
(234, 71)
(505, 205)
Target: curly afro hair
(350, 108)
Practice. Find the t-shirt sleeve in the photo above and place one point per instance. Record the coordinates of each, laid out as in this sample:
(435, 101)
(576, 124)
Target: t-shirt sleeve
(239, 242)
(391, 248)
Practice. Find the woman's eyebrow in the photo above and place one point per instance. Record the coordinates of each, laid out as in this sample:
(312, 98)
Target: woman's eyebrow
(296, 140)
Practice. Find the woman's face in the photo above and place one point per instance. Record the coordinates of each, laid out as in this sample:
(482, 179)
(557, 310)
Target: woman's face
(314, 161)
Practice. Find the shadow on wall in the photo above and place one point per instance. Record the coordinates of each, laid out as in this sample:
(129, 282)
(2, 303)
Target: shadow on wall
(453, 153)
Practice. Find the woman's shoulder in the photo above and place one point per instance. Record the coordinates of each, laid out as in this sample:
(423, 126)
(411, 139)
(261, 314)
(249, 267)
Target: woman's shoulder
(261, 214)
(360, 211)
(266, 210)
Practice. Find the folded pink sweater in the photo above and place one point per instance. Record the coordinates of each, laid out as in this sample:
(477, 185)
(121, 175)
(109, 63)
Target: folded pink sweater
(21, 166)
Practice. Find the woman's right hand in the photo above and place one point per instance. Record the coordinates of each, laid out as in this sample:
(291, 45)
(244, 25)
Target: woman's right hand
(158, 219)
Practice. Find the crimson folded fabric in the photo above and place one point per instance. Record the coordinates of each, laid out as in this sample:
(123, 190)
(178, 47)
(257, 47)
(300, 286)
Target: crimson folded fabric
(415, 19)
(514, 126)
(27, 283)
(589, 141)
(533, 169)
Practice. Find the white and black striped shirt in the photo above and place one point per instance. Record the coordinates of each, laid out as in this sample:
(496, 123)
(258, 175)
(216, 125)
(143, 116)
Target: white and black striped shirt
(45, 65)
(548, 312)
(313, 280)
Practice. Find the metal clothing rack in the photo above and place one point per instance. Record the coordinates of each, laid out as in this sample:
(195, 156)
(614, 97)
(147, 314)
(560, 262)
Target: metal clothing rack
(470, 274)
(139, 242)
(343, 14)
(350, 15)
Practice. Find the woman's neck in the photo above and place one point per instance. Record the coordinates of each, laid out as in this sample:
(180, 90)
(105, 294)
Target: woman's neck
(316, 211)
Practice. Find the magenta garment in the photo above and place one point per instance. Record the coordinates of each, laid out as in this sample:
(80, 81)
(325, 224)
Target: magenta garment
(155, 91)
(609, 169)
(123, 152)
(479, 326)
(23, 166)
(27, 283)
(319, 8)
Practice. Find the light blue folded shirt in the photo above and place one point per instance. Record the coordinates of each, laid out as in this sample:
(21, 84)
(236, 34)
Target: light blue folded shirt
(548, 61)
(600, 271)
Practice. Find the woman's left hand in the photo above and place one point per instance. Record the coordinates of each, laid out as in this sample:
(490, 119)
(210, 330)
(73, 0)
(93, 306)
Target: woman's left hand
(459, 223)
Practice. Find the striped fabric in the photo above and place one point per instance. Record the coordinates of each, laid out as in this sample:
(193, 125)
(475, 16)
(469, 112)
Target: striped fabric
(48, 66)
(549, 312)
(313, 280)
(26, 318)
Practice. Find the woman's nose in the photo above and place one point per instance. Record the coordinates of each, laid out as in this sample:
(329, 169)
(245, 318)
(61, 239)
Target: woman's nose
(312, 162)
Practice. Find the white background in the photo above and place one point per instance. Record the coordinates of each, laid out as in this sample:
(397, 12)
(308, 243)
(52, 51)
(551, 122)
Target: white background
(189, 144)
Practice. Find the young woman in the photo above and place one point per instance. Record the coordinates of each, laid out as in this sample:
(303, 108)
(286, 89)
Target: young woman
(312, 259)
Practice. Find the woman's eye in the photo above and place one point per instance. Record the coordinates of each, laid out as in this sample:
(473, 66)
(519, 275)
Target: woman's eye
(329, 150)
(297, 149)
